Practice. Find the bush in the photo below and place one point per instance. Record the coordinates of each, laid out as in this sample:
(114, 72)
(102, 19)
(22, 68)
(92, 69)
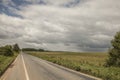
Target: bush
(114, 53)
(8, 51)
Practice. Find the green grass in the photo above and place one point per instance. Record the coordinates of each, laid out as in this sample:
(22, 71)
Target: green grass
(89, 63)
(5, 61)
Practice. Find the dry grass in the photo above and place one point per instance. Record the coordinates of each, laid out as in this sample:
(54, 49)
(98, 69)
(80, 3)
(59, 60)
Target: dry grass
(90, 63)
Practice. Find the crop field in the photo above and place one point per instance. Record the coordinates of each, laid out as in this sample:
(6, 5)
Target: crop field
(89, 63)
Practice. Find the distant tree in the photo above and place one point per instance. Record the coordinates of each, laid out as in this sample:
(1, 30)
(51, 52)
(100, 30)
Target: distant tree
(29, 49)
(41, 50)
(32, 49)
(7, 50)
(16, 48)
(114, 52)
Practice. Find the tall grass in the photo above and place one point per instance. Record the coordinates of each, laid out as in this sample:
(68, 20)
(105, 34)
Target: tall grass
(5, 61)
(89, 63)
(7, 54)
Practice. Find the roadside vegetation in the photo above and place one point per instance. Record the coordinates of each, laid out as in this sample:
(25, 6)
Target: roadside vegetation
(89, 63)
(33, 49)
(7, 55)
(103, 65)
(114, 52)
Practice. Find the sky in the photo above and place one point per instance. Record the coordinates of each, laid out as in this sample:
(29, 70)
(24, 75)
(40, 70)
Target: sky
(60, 25)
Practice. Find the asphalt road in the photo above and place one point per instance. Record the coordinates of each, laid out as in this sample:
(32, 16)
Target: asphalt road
(27, 67)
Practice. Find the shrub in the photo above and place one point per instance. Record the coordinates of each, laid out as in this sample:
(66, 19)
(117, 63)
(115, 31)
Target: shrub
(114, 53)
(8, 51)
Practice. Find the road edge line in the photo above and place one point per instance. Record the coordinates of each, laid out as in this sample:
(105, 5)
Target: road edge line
(72, 70)
(26, 73)
(68, 69)
(3, 77)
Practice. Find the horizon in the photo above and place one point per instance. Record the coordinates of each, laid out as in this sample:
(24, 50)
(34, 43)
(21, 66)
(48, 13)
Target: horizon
(65, 25)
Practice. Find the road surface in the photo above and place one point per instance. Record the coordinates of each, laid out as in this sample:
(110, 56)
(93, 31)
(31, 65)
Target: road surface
(27, 67)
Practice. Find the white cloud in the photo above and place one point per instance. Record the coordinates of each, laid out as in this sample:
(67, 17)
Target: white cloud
(88, 26)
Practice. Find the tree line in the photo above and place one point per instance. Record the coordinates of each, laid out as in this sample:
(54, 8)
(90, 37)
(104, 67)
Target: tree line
(113, 60)
(9, 50)
(33, 49)
(114, 52)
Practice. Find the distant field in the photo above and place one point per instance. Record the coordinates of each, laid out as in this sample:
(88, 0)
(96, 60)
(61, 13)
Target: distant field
(89, 63)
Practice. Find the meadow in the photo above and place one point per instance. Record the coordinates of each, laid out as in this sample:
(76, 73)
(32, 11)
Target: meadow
(89, 63)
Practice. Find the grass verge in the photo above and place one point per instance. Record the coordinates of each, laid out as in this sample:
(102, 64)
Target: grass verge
(5, 61)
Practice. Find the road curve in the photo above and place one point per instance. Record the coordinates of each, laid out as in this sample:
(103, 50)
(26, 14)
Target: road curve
(27, 67)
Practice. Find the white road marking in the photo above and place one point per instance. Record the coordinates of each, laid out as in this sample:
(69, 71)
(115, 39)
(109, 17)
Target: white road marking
(26, 74)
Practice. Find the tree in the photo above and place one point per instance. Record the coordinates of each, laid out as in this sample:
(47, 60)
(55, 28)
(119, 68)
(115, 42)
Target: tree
(114, 52)
(16, 48)
(42, 50)
(29, 49)
(7, 50)
(32, 49)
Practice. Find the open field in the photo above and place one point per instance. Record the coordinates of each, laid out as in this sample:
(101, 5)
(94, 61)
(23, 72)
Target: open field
(5, 61)
(89, 63)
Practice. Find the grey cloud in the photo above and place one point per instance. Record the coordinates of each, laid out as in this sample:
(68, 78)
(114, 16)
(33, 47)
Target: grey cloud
(87, 26)
(4, 34)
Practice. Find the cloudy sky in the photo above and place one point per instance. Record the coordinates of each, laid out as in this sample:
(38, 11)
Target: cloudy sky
(67, 25)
